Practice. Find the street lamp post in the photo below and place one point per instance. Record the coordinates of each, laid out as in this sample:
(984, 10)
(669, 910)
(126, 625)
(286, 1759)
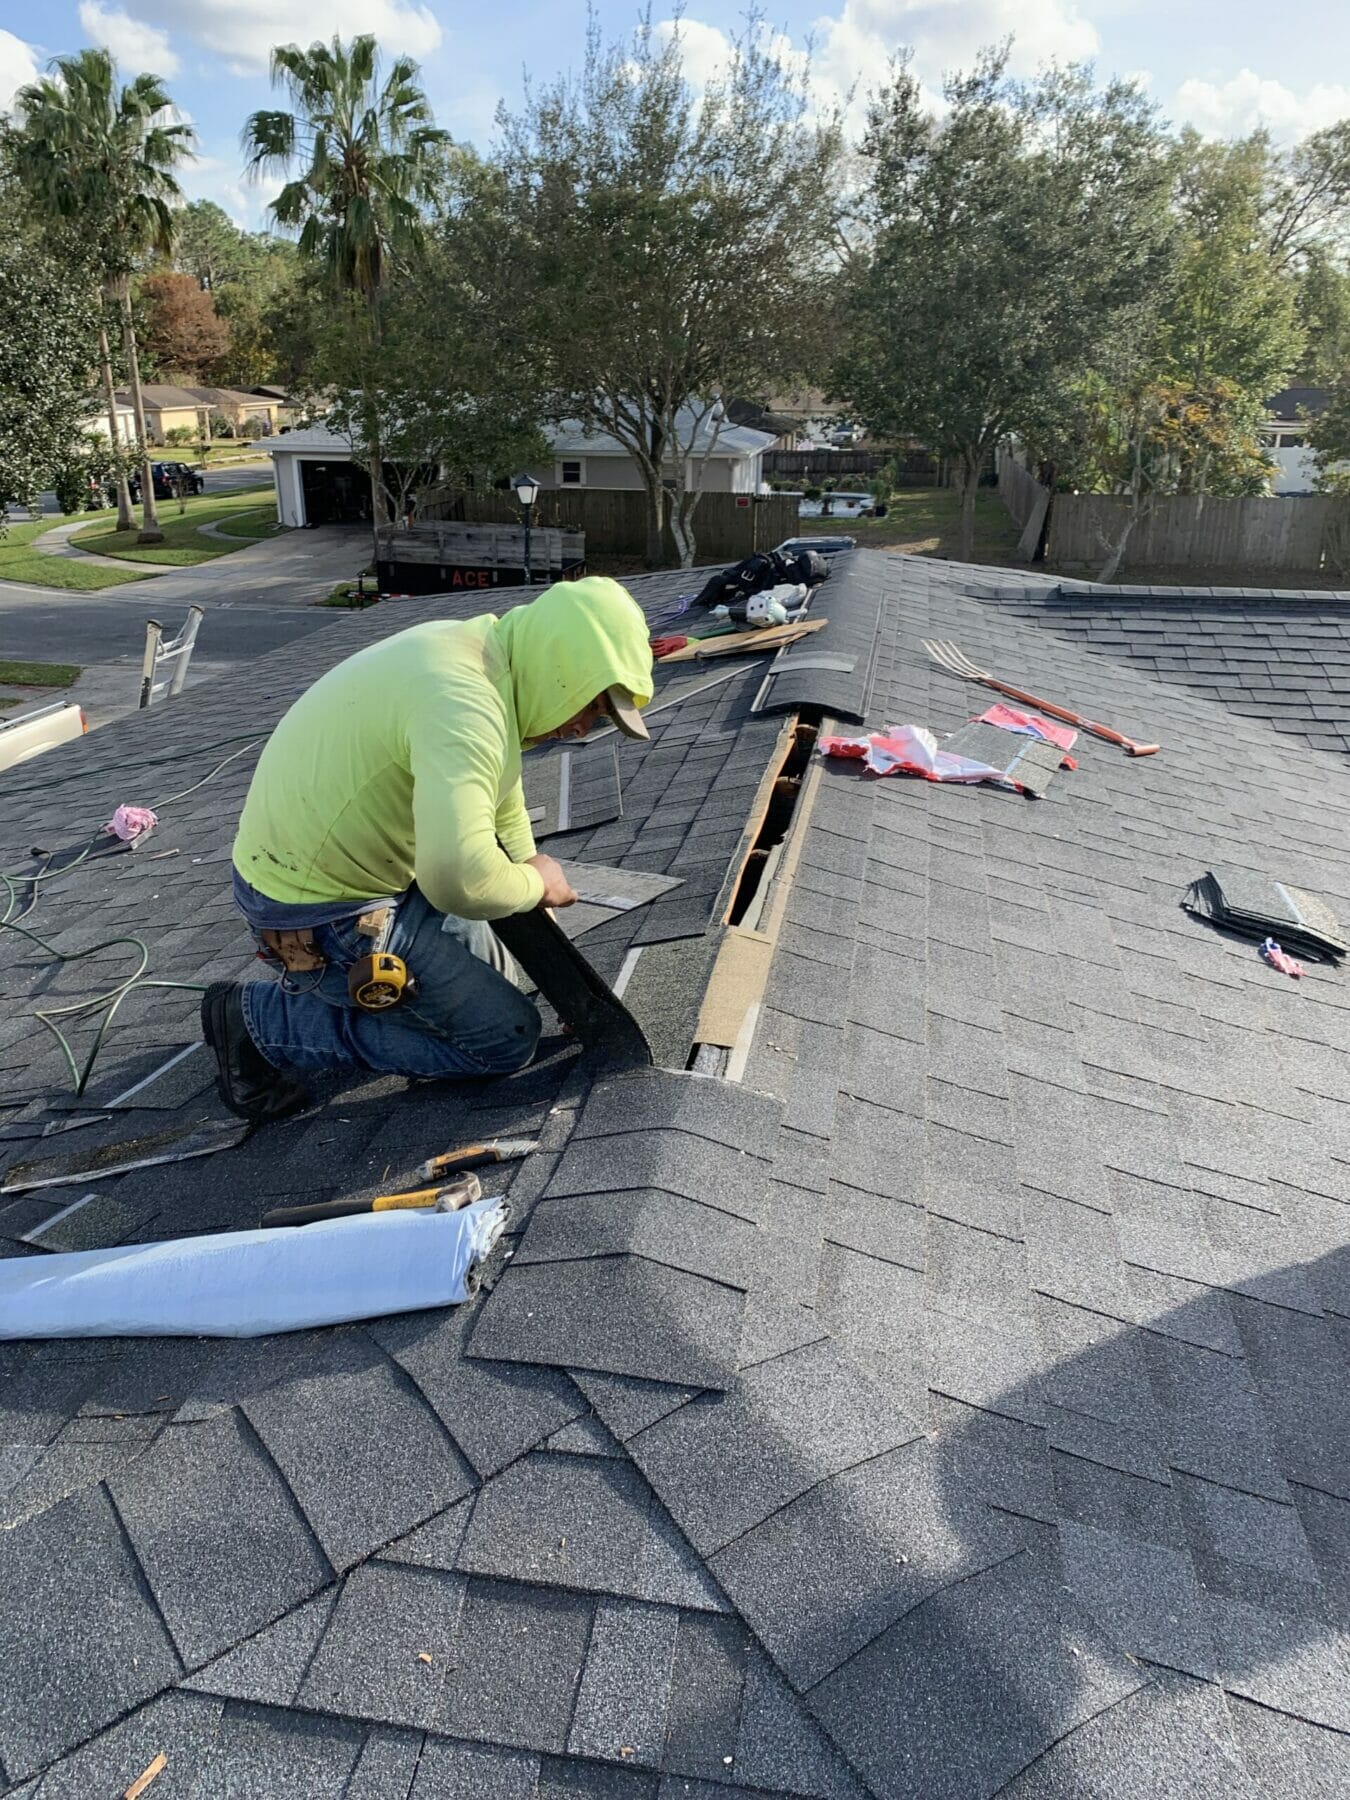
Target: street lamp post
(527, 492)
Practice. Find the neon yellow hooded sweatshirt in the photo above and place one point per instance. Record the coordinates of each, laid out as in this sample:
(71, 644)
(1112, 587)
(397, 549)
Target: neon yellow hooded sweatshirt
(403, 762)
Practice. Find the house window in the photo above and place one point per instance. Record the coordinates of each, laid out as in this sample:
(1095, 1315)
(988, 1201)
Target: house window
(572, 473)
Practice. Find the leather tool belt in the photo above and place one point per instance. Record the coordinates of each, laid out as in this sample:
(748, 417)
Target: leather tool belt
(296, 951)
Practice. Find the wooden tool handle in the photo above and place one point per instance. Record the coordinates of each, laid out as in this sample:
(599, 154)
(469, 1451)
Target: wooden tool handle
(1072, 718)
(307, 1215)
(461, 1191)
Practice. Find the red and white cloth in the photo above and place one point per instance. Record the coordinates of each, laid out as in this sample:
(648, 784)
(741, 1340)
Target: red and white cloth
(910, 750)
(1030, 724)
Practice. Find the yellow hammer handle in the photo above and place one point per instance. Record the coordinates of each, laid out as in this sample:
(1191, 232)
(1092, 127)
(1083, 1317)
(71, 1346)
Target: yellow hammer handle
(395, 1202)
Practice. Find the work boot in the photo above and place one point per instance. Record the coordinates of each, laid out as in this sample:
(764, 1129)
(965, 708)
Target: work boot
(245, 1080)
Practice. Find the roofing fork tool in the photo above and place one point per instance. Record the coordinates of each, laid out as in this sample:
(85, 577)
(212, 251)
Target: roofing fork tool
(462, 1191)
(956, 662)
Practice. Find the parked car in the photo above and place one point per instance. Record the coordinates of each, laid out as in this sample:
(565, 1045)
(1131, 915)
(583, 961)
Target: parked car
(824, 546)
(33, 732)
(170, 479)
(838, 506)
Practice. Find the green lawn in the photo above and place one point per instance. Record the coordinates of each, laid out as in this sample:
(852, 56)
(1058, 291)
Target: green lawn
(18, 562)
(250, 527)
(923, 521)
(184, 544)
(37, 674)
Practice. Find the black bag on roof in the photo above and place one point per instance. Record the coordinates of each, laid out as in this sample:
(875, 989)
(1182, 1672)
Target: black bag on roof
(765, 569)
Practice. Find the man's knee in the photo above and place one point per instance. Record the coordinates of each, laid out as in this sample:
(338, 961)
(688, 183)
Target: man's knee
(516, 1045)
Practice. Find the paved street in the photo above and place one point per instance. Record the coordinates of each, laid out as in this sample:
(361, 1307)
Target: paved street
(227, 479)
(256, 599)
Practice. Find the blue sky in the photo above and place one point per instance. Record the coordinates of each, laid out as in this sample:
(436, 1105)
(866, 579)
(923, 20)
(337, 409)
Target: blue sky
(1225, 65)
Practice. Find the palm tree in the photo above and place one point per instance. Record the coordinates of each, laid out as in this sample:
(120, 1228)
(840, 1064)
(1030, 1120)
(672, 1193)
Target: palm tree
(98, 161)
(360, 153)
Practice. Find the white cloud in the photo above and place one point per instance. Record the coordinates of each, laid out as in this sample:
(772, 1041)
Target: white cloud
(243, 32)
(851, 48)
(1247, 102)
(137, 47)
(18, 66)
(704, 49)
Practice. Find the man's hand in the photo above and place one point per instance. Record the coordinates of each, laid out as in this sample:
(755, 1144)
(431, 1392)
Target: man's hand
(558, 890)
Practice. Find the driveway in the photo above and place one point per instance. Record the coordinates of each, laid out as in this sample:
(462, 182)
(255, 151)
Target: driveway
(255, 600)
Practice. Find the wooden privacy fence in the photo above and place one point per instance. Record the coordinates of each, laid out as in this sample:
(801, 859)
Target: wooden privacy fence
(1287, 532)
(808, 464)
(1197, 531)
(910, 465)
(726, 526)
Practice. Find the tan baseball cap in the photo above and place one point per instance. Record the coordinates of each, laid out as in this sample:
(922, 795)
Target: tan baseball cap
(620, 707)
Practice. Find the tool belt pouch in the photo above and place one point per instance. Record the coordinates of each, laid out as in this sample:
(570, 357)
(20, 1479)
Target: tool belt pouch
(296, 951)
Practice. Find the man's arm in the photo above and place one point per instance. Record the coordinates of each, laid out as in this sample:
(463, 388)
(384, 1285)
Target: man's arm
(461, 868)
(513, 826)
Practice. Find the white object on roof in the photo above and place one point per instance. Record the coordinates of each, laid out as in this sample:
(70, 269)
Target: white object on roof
(250, 1283)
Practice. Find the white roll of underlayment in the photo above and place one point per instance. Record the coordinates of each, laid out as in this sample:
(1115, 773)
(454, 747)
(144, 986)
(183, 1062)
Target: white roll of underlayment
(250, 1283)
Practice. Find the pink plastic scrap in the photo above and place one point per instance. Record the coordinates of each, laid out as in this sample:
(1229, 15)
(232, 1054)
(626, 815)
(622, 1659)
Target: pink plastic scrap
(1030, 724)
(131, 822)
(911, 750)
(1281, 959)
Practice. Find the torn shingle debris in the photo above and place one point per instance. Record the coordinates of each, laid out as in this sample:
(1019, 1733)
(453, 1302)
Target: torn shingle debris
(954, 1407)
(1255, 906)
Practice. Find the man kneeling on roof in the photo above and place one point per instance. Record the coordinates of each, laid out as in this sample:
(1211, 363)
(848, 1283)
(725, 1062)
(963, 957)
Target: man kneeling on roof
(385, 825)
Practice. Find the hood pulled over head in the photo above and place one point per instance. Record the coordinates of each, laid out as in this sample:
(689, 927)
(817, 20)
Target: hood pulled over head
(571, 644)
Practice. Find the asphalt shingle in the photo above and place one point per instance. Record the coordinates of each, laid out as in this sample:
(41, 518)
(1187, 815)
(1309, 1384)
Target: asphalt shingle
(80, 1639)
(388, 1645)
(620, 1315)
(224, 1546)
(723, 1463)
(1020, 1253)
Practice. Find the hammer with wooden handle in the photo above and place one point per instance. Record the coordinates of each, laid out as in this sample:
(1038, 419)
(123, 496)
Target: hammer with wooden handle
(450, 1197)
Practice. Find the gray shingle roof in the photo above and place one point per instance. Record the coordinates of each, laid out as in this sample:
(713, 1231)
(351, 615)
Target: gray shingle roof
(955, 1407)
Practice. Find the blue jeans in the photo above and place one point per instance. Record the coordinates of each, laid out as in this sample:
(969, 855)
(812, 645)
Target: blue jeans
(468, 1016)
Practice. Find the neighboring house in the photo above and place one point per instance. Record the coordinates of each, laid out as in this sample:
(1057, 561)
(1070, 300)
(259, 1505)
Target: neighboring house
(811, 418)
(317, 479)
(270, 407)
(97, 423)
(782, 428)
(319, 482)
(583, 458)
(169, 407)
(1285, 436)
